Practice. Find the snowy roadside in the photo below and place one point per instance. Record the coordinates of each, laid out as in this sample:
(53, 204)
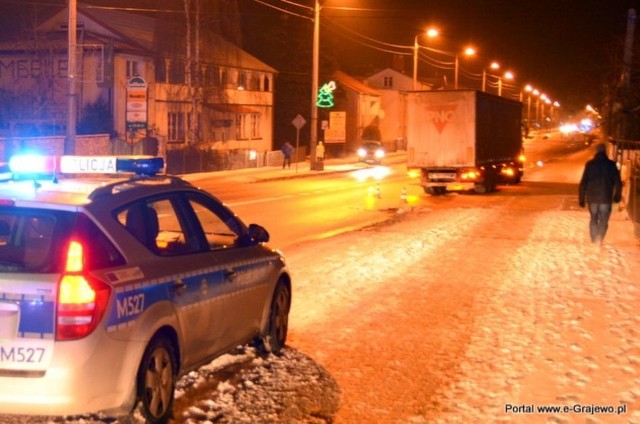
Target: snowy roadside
(561, 331)
(460, 314)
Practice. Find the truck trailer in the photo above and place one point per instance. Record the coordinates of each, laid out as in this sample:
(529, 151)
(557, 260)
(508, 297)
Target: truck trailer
(463, 140)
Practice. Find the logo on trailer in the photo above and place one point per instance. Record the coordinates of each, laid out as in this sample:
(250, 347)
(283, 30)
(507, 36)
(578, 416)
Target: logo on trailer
(440, 116)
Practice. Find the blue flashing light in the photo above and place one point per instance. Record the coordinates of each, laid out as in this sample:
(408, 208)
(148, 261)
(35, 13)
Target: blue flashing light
(141, 165)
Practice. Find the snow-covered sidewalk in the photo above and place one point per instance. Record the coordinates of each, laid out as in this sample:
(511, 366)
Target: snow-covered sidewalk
(560, 331)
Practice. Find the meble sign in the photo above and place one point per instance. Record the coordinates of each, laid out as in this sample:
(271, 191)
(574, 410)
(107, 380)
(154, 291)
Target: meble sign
(90, 164)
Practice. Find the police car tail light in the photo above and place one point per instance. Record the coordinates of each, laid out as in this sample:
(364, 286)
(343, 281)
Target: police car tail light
(82, 300)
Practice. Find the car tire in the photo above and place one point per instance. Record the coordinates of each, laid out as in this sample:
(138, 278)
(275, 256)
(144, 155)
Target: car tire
(157, 381)
(273, 341)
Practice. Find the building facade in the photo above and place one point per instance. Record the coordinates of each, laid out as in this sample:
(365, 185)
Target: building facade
(219, 97)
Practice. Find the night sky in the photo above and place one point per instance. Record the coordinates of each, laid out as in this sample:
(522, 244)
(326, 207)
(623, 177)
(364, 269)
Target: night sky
(566, 48)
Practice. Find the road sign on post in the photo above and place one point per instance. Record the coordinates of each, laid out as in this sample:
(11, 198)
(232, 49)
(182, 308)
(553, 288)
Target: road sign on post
(298, 122)
(136, 104)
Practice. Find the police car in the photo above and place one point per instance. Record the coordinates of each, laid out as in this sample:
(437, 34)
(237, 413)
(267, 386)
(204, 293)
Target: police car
(112, 288)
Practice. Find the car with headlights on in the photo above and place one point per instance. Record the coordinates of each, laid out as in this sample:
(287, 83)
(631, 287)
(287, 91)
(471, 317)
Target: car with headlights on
(371, 152)
(115, 285)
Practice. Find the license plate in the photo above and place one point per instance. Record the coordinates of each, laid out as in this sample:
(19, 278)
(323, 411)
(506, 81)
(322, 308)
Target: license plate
(34, 354)
(442, 176)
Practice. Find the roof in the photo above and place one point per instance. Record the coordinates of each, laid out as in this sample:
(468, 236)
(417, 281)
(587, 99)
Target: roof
(355, 84)
(387, 71)
(129, 32)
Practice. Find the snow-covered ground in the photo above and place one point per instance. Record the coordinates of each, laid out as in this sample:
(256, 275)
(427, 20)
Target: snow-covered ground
(457, 314)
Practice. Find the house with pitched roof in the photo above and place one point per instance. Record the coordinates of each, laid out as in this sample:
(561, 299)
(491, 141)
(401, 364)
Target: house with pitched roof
(362, 106)
(133, 76)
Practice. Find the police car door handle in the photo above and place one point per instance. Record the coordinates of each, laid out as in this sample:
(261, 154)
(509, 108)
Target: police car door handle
(229, 274)
(179, 287)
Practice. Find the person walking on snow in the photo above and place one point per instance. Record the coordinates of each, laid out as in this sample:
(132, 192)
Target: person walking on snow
(287, 150)
(599, 187)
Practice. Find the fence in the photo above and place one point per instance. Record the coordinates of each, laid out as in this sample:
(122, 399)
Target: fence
(627, 154)
(179, 161)
(191, 159)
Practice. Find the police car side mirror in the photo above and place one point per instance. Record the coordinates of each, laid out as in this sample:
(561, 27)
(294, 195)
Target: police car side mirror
(258, 233)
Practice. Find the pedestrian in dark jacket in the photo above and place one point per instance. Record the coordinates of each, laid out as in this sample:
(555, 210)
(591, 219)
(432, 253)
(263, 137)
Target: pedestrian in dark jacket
(600, 186)
(287, 151)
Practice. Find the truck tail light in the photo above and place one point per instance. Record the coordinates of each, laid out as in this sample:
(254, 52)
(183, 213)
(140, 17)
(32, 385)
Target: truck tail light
(508, 171)
(82, 300)
(470, 175)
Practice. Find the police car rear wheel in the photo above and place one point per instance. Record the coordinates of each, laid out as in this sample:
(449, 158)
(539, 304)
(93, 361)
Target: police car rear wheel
(157, 381)
(275, 339)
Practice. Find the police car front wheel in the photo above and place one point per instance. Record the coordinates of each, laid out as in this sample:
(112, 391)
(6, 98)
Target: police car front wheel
(275, 338)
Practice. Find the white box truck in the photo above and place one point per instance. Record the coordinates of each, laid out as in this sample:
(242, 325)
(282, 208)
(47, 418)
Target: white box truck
(463, 140)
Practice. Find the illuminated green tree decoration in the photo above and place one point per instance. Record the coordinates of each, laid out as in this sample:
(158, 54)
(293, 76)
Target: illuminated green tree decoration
(325, 95)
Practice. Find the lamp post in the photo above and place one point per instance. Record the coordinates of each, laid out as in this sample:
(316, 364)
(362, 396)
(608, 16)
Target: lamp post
(415, 62)
(313, 139)
(431, 32)
(528, 88)
(554, 106)
(469, 51)
(70, 138)
(536, 93)
(494, 65)
(507, 75)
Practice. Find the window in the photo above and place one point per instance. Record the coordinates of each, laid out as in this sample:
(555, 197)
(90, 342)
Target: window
(247, 126)
(388, 82)
(176, 72)
(133, 68)
(255, 125)
(267, 83)
(177, 126)
(156, 224)
(242, 80)
(224, 78)
(221, 229)
(240, 126)
(33, 241)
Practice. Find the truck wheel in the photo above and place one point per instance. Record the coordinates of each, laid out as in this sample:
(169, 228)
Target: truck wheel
(435, 191)
(480, 188)
(518, 178)
(274, 339)
(157, 381)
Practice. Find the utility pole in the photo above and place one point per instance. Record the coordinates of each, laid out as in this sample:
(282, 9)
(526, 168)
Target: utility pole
(314, 84)
(70, 139)
(625, 89)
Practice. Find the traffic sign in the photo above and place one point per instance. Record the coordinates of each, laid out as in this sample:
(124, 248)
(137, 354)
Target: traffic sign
(298, 121)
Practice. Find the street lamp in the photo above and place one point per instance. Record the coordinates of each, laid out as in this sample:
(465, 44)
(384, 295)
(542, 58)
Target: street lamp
(507, 75)
(469, 51)
(494, 65)
(431, 33)
(529, 89)
(555, 105)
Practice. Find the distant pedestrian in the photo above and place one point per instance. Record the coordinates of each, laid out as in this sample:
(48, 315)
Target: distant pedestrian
(320, 151)
(287, 151)
(600, 186)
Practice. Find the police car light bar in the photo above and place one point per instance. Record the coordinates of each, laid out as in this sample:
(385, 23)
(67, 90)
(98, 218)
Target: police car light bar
(32, 164)
(35, 164)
